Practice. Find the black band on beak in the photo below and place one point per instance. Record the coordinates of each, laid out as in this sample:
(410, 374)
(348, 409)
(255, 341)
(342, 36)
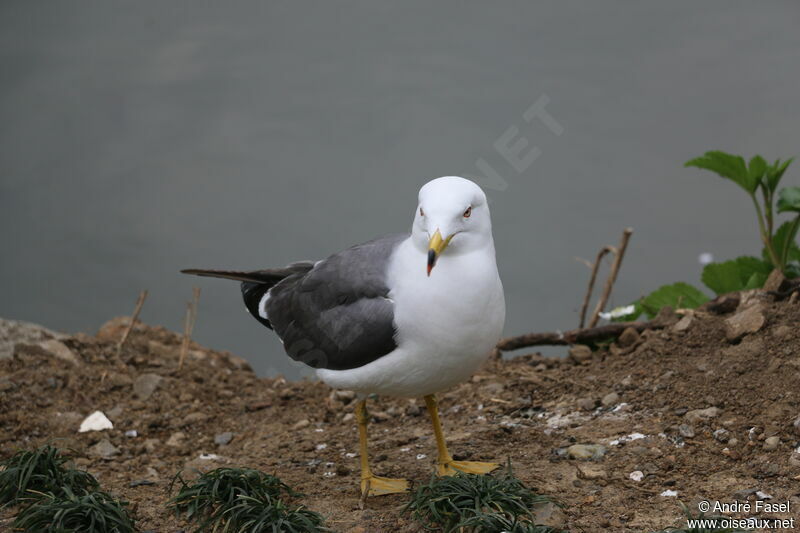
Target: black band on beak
(431, 260)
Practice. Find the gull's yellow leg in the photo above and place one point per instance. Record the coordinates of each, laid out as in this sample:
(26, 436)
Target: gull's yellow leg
(372, 485)
(446, 466)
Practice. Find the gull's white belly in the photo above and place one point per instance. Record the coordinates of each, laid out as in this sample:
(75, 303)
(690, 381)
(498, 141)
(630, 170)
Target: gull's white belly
(447, 324)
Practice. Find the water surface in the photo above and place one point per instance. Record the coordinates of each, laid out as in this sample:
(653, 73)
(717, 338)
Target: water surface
(140, 138)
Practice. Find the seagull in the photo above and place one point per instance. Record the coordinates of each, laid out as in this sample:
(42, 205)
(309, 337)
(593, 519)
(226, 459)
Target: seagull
(406, 315)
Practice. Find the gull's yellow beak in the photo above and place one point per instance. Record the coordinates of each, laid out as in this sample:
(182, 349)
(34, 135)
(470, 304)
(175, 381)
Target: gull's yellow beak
(435, 248)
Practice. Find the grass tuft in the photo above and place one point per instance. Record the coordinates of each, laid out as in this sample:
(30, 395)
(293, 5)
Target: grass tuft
(474, 502)
(242, 499)
(30, 474)
(89, 512)
(263, 513)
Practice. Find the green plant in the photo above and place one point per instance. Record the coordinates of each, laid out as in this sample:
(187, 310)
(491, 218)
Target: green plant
(464, 500)
(89, 512)
(29, 474)
(242, 499)
(262, 513)
(756, 177)
(780, 249)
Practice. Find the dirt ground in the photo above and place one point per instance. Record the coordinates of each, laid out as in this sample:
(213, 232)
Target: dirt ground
(683, 413)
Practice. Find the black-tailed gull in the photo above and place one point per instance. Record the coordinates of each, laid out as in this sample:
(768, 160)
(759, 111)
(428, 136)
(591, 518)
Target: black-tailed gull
(379, 318)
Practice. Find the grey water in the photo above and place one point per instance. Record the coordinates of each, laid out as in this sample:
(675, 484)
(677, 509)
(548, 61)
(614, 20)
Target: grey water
(139, 138)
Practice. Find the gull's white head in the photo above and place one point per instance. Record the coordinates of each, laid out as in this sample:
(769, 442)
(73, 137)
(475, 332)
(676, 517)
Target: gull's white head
(452, 217)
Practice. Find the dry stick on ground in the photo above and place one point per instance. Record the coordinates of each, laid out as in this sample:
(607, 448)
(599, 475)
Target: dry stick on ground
(188, 324)
(612, 276)
(595, 267)
(139, 303)
(582, 335)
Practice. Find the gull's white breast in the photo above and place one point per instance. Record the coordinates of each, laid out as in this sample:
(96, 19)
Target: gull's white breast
(447, 324)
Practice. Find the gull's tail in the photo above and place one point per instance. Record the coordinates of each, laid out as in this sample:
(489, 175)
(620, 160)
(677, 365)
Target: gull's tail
(255, 283)
(253, 276)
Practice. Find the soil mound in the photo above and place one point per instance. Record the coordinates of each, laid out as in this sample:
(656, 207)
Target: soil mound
(707, 408)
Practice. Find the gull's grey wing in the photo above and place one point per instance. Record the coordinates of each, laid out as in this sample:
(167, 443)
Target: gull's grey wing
(337, 315)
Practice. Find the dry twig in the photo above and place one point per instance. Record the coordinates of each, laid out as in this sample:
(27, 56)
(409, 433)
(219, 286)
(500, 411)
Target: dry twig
(139, 303)
(664, 318)
(595, 267)
(619, 253)
(188, 324)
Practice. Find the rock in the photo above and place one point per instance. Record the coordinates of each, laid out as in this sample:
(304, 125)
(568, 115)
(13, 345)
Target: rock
(686, 431)
(549, 514)
(591, 471)
(13, 332)
(783, 332)
(636, 475)
(151, 445)
(59, 350)
(684, 323)
(628, 338)
(344, 396)
(237, 362)
(176, 439)
(223, 439)
(580, 353)
(104, 449)
(772, 443)
(775, 282)
(796, 425)
(612, 398)
(115, 328)
(722, 305)
(586, 452)
(257, 406)
(751, 347)
(587, 404)
(722, 435)
(145, 385)
(794, 460)
(750, 320)
(115, 412)
(742, 495)
(115, 380)
(701, 415)
(300, 424)
(413, 410)
(194, 418)
(96, 421)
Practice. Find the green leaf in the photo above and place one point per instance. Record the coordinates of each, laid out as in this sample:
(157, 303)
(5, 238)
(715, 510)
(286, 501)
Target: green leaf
(779, 240)
(735, 275)
(677, 295)
(775, 172)
(789, 199)
(728, 166)
(756, 281)
(757, 168)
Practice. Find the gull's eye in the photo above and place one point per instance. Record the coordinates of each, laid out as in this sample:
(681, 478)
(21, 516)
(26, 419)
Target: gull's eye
(421, 212)
(468, 212)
